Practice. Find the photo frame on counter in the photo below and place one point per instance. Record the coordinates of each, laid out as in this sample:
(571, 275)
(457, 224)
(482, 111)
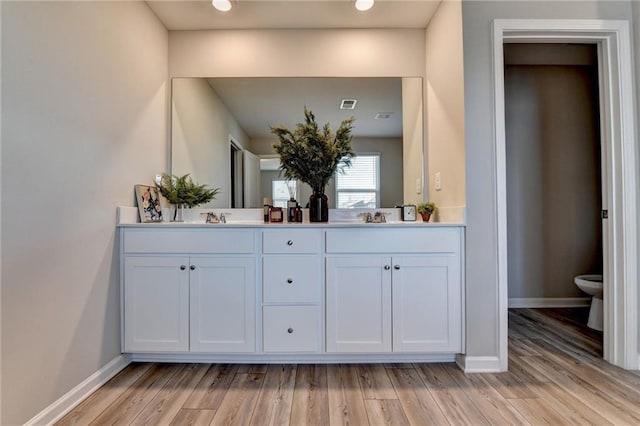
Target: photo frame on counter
(148, 203)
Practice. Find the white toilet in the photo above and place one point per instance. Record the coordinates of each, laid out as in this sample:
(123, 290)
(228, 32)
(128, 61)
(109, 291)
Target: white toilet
(592, 285)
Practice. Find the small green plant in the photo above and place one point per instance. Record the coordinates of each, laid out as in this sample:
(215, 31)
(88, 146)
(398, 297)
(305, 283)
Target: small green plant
(427, 208)
(182, 191)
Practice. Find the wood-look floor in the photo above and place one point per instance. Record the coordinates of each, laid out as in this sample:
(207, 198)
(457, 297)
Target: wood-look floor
(556, 376)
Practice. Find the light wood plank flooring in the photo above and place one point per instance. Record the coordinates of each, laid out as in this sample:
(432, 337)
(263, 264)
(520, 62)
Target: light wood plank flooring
(556, 376)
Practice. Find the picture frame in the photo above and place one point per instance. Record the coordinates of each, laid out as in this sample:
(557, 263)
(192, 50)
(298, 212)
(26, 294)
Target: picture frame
(148, 203)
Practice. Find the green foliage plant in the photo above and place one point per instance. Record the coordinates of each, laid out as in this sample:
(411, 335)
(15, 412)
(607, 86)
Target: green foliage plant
(311, 155)
(181, 190)
(426, 208)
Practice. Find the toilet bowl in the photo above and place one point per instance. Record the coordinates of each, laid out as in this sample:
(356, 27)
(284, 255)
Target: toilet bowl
(592, 285)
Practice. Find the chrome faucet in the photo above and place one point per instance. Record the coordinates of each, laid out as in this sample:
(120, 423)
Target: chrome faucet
(211, 217)
(379, 217)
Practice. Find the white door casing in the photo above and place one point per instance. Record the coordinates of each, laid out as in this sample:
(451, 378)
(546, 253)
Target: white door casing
(619, 164)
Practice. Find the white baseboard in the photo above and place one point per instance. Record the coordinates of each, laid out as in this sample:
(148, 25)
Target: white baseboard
(324, 358)
(75, 396)
(478, 364)
(549, 302)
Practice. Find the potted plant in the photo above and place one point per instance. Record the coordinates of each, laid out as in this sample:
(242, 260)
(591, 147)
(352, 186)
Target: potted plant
(426, 209)
(181, 191)
(312, 155)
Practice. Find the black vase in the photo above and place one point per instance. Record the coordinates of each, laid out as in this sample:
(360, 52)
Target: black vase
(318, 207)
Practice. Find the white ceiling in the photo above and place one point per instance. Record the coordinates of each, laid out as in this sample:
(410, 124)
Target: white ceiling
(262, 14)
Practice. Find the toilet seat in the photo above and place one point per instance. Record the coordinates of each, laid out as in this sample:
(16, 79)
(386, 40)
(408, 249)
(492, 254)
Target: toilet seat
(590, 284)
(593, 286)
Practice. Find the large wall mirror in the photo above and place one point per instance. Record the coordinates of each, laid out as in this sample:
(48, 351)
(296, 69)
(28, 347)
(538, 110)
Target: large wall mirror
(220, 134)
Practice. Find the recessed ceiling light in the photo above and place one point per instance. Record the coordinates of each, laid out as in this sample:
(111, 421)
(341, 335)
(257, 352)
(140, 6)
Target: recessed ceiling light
(383, 115)
(222, 5)
(348, 104)
(363, 5)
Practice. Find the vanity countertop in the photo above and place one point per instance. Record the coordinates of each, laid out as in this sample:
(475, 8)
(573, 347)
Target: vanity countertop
(252, 218)
(257, 224)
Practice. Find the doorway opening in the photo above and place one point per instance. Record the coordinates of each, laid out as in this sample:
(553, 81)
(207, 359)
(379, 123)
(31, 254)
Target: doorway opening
(235, 165)
(554, 187)
(619, 177)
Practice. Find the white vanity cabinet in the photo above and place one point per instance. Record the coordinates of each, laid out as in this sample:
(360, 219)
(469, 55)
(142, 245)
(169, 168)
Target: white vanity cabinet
(188, 290)
(358, 304)
(222, 304)
(156, 304)
(427, 303)
(292, 293)
(291, 290)
(403, 296)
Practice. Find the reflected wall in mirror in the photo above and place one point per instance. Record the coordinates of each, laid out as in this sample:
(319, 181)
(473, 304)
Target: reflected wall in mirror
(220, 134)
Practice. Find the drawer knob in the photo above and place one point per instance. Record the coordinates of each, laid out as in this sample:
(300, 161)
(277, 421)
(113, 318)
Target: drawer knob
(183, 267)
(289, 281)
(396, 267)
(192, 267)
(387, 267)
(290, 242)
(290, 330)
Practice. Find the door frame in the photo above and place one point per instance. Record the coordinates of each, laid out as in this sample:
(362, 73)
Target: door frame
(236, 175)
(620, 168)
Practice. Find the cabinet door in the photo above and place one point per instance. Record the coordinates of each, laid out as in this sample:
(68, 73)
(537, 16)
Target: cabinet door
(358, 304)
(156, 304)
(223, 304)
(427, 304)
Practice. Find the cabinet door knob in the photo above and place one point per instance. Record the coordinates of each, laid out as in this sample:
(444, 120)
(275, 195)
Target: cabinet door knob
(290, 330)
(387, 267)
(183, 267)
(192, 267)
(290, 242)
(396, 267)
(289, 281)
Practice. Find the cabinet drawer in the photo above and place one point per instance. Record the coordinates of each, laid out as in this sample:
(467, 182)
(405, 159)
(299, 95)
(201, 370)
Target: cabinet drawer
(291, 241)
(227, 241)
(294, 279)
(407, 240)
(291, 328)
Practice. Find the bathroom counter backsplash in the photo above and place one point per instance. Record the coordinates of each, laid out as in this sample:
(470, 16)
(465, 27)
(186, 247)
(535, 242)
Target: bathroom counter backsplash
(128, 216)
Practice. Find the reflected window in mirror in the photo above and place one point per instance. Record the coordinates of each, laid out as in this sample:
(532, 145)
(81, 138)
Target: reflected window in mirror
(282, 190)
(358, 186)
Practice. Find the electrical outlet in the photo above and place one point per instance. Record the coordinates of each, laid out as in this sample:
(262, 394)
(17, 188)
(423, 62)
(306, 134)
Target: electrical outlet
(438, 181)
(418, 186)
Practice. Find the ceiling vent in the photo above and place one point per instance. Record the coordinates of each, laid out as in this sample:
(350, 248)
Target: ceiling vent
(348, 104)
(383, 115)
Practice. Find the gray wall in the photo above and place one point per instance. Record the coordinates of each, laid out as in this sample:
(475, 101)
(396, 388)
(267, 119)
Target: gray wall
(84, 105)
(553, 178)
(481, 235)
